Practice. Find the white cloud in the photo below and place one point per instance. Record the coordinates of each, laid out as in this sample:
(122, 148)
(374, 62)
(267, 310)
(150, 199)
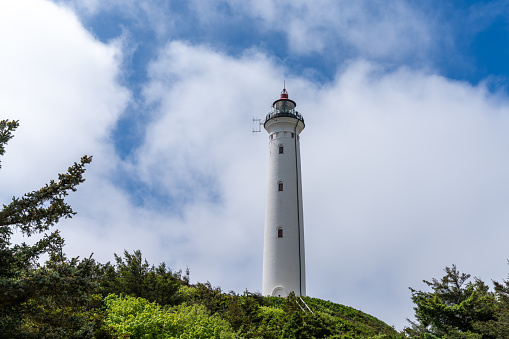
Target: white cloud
(61, 85)
(392, 30)
(207, 102)
(411, 179)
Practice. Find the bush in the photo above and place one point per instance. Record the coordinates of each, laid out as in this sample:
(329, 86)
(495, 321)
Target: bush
(139, 318)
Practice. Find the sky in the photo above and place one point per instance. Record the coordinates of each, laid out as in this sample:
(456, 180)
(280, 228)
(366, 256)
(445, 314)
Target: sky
(405, 154)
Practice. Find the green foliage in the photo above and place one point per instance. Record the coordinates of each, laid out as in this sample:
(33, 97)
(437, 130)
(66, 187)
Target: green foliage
(36, 211)
(135, 277)
(254, 316)
(244, 316)
(211, 297)
(454, 309)
(272, 322)
(49, 300)
(138, 318)
(349, 320)
(499, 326)
(6, 129)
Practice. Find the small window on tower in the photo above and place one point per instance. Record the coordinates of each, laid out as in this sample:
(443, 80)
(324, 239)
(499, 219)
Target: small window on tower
(280, 186)
(281, 149)
(293, 135)
(271, 136)
(280, 232)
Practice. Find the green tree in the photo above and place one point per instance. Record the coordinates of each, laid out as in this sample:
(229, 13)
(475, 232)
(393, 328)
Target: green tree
(25, 286)
(498, 327)
(453, 309)
(132, 275)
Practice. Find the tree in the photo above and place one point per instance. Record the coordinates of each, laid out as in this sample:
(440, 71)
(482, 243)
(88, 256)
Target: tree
(498, 327)
(24, 285)
(453, 309)
(132, 275)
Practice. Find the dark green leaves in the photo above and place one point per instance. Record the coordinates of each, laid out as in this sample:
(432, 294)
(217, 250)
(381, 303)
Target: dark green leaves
(454, 307)
(51, 300)
(6, 129)
(36, 211)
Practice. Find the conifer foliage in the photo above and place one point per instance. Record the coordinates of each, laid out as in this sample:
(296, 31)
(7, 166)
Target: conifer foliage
(499, 326)
(134, 276)
(37, 300)
(457, 307)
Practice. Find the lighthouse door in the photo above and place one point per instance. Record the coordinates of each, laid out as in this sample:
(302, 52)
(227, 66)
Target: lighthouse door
(279, 292)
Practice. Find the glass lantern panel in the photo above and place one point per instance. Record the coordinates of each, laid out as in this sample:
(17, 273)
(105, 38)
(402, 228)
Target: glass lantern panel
(284, 106)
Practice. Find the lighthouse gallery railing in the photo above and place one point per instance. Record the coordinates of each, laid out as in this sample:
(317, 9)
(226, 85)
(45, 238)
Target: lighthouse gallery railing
(291, 113)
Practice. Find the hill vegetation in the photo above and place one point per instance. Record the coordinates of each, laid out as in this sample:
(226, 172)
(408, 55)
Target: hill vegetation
(132, 299)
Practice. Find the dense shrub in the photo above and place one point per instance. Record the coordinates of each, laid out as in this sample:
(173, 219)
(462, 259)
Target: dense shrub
(138, 318)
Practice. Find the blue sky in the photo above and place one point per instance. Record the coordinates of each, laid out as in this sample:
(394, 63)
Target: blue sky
(467, 39)
(404, 155)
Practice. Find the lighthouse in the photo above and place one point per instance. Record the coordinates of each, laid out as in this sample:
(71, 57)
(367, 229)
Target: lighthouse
(283, 247)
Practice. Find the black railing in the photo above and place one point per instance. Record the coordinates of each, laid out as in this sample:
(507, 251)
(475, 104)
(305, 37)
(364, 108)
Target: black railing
(290, 113)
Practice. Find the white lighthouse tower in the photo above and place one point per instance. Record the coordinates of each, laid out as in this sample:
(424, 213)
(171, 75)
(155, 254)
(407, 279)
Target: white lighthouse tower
(283, 252)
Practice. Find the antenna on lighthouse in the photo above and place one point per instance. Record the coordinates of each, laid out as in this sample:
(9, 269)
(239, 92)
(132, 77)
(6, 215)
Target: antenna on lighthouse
(257, 127)
(257, 123)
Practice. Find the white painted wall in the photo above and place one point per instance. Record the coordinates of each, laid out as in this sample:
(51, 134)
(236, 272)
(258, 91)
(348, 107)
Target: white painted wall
(283, 258)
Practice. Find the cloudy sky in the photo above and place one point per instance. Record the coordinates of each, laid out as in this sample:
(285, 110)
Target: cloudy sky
(405, 155)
